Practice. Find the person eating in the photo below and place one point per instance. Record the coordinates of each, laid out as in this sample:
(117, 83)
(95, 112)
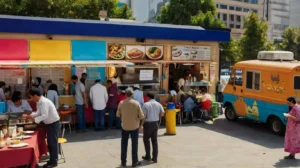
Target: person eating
(17, 104)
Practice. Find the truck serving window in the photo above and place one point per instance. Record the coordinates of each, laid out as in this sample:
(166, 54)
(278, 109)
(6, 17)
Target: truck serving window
(253, 80)
(297, 82)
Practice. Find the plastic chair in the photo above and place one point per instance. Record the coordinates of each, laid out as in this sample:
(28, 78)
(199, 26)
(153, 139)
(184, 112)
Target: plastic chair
(204, 111)
(66, 119)
(61, 141)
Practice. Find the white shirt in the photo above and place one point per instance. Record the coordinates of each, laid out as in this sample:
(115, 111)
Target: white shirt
(152, 110)
(139, 96)
(98, 96)
(46, 111)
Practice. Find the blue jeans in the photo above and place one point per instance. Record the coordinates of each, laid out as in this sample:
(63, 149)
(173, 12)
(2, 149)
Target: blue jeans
(81, 117)
(97, 114)
(134, 145)
(111, 117)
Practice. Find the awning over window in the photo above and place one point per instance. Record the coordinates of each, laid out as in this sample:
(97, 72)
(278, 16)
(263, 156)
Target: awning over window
(56, 64)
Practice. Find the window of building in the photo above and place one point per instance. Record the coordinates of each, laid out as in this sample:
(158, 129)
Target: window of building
(223, 6)
(217, 5)
(231, 7)
(246, 1)
(238, 18)
(224, 17)
(238, 8)
(231, 17)
(238, 26)
(246, 10)
(231, 26)
(255, 11)
(239, 77)
(297, 82)
(218, 15)
(253, 80)
(254, 1)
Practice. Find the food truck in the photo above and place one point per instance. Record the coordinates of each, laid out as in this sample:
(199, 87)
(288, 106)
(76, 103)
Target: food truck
(261, 92)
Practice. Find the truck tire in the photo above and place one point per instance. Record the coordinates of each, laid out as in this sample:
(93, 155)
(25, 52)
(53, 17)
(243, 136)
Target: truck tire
(230, 114)
(276, 126)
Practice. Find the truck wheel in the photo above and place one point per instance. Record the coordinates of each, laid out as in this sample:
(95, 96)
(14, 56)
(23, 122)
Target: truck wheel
(230, 114)
(276, 125)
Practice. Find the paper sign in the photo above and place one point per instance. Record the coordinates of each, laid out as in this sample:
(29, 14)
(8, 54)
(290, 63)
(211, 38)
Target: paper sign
(146, 75)
(20, 81)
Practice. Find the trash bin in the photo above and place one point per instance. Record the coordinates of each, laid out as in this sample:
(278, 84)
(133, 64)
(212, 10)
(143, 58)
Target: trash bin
(215, 109)
(170, 118)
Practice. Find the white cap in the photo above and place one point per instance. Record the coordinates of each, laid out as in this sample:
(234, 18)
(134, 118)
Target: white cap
(173, 93)
(136, 86)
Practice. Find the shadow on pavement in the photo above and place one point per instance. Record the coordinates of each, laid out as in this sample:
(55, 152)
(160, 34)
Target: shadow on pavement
(91, 135)
(287, 163)
(246, 130)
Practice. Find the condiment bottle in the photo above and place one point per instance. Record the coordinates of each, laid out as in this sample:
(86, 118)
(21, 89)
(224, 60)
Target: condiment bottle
(14, 134)
(1, 136)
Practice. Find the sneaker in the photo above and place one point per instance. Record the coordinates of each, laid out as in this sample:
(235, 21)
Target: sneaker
(146, 158)
(136, 164)
(50, 165)
(289, 157)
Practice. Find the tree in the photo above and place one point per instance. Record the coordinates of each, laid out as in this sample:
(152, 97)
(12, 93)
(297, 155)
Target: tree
(230, 52)
(191, 12)
(76, 9)
(254, 38)
(291, 41)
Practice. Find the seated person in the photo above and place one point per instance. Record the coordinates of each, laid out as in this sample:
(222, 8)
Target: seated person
(17, 104)
(172, 96)
(188, 106)
(206, 102)
(181, 95)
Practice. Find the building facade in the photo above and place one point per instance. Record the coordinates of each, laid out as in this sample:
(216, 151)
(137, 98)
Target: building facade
(277, 14)
(295, 13)
(232, 13)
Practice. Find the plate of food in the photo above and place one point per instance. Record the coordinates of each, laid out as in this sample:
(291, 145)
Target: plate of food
(116, 52)
(28, 132)
(135, 52)
(176, 52)
(24, 137)
(18, 145)
(154, 52)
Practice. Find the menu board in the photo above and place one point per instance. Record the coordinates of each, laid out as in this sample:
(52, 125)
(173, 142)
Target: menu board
(191, 53)
(146, 75)
(11, 76)
(134, 52)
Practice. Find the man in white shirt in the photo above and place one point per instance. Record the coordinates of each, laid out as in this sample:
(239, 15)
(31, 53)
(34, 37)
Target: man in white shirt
(138, 95)
(47, 113)
(99, 98)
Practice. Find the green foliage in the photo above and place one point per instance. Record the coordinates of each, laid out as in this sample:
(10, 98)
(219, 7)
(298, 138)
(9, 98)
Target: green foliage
(230, 52)
(254, 38)
(191, 12)
(77, 9)
(291, 41)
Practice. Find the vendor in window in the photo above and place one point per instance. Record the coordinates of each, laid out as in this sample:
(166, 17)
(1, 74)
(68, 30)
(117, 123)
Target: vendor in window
(17, 104)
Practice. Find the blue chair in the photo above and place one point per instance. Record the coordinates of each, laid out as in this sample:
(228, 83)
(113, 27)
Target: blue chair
(3, 107)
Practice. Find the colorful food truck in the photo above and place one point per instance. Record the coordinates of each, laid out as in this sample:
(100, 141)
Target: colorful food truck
(258, 89)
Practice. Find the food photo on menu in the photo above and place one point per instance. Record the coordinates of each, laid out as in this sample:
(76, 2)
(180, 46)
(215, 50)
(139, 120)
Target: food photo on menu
(135, 52)
(154, 52)
(116, 51)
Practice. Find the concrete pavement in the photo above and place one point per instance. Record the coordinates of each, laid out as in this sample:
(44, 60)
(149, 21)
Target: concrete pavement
(220, 145)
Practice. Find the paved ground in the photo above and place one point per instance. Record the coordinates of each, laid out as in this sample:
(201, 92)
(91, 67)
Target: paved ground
(220, 145)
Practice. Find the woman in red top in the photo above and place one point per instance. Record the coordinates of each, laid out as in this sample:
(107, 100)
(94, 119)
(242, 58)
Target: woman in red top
(122, 96)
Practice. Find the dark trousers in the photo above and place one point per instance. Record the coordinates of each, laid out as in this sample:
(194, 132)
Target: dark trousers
(134, 145)
(99, 114)
(52, 140)
(150, 131)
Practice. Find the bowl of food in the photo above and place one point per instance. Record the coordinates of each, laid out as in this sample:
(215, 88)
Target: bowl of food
(154, 53)
(116, 52)
(134, 53)
(176, 52)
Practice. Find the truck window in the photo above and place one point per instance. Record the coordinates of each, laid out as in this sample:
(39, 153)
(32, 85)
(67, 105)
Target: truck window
(238, 77)
(297, 82)
(253, 80)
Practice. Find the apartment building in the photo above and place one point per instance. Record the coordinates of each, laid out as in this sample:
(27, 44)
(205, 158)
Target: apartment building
(232, 13)
(295, 13)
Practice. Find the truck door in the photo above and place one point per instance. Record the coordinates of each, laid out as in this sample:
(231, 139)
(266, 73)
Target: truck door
(238, 90)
